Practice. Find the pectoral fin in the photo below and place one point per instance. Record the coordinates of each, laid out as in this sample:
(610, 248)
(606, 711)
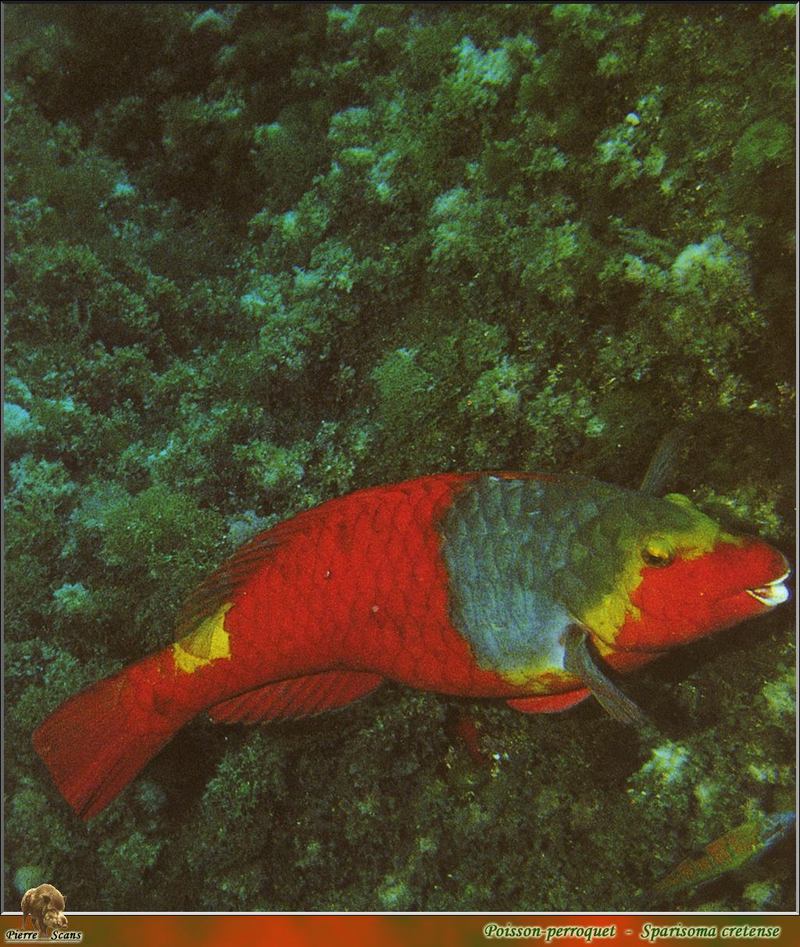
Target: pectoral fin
(579, 660)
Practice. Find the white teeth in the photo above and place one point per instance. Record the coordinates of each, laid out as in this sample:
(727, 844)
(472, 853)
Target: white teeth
(771, 594)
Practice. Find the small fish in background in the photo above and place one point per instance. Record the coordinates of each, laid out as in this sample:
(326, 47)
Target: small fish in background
(519, 586)
(731, 852)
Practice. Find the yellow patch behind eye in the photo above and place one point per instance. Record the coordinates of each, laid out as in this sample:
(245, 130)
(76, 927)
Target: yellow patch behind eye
(208, 642)
(705, 534)
(608, 615)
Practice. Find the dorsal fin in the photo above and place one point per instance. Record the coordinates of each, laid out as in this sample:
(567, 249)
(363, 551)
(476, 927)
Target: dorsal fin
(298, 697)
(216, 589)
(663, 463)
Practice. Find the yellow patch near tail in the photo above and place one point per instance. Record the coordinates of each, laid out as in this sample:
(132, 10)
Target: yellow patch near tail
(608, 616)
(208, 642)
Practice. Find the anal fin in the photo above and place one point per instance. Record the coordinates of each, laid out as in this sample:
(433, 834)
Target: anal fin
(297, 697)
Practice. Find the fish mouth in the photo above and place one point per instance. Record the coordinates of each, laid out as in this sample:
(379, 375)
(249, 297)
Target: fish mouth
(773, 593)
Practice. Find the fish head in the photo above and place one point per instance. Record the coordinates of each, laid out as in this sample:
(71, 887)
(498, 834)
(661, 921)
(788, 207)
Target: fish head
(776, 827)
(668, 574)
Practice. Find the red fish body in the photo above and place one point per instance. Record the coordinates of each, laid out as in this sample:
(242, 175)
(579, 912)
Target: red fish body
(463, 584)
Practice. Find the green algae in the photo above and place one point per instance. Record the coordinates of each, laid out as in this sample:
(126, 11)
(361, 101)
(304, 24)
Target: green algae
(260, 255)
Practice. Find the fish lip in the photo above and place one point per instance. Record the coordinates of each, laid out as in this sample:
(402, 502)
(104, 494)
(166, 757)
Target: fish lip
(771, 593)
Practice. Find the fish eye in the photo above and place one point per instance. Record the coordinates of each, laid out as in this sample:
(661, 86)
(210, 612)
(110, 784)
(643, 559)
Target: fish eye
(657, 554)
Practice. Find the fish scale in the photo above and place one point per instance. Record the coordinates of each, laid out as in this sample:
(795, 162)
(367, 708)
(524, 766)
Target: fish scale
(499, 551)
(467, 584)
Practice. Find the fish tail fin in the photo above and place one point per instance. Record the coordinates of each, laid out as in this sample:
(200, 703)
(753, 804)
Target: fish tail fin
(96, 742)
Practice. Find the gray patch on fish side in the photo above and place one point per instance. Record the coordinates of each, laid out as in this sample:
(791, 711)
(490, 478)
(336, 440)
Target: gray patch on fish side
(504, 541)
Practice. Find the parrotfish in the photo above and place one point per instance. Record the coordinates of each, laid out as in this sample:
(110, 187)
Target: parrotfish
(516, 586)
(731, 852)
